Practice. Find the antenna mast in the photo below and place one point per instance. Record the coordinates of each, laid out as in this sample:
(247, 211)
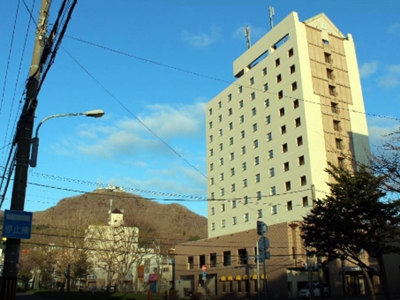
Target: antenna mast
(247, 35)
(271, 16)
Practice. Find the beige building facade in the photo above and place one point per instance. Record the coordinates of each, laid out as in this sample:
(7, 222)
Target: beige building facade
(296, 104)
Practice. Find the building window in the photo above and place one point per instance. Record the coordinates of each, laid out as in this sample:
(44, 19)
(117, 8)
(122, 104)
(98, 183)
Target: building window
(334, 107)
(271, 172)
(326, 42)
(288, 186)
(242, 134)
(220, 132)
(271, 154)
(304, 201)
(241, 118)
(253, 111)
(269, 136)
(231, 140)
(266, 87)
(255, 144)
(339, 144)
(231, 156)
(328, 58)
(299, 141)
(273, 190)
(221, 176)
(256, 160)
(212, 226)
(296, 104)
(280, 94)
(268, 120)
(297, 122)
(258, 177)
(289, 205)
(290, 52)
(244, 182)
(246, 200)
(244, 166)
(212, 210)
(274, 209)
(281, 111)
(329, 74)
(211, 138)
(266, 103)
(233, 203)
(303, 180)
(234, 221)
(277, 62)
(221, 146)
(226, 258)
(219, 104)
(341, 162)
(212, 195)
(233, 187)
(251, 80)
(190, 262)
(253, 96)
(210, 111)
(229, 97)
(223, 207)
(283, 129)
(285, 148)
(292, 69)
(232, 171)
(246, 217)
(301, 160)
(286, 166)
(230, 126)
(211, 152)
(278, 78)
(241, 104)
(221, 161)
(213, 260)
(243, 150)
(259, 214)
(294, 86)
(210, 124)
(254, 127)
(230, 111)
(332, 90)
(259, 196)
(211, 180)
(240, 89)
(336, 125)
(211, 166)
(264, 72)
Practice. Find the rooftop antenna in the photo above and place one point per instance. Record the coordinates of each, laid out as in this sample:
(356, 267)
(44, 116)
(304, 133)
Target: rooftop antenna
(271, 16)
(247, 35)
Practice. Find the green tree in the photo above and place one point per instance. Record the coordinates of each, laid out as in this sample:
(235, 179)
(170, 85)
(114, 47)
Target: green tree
(352, 219)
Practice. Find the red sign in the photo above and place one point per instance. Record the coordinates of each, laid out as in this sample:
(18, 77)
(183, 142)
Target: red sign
(204, 268)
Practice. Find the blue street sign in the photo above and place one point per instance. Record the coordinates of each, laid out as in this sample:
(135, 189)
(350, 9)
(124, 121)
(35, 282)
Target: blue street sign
(17, 224)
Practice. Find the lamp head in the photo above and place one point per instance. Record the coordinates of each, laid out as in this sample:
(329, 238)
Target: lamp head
(96, 113)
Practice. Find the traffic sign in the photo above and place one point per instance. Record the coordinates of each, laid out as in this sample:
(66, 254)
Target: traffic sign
(263, 244)
(17, 224)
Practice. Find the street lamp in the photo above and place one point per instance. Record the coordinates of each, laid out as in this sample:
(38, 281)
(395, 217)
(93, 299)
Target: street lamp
(97, 113)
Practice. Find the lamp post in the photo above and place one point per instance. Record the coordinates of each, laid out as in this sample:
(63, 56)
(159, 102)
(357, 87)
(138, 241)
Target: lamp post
(97, 113)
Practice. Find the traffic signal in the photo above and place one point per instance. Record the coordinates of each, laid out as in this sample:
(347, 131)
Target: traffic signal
(261, 228)
(3, 241)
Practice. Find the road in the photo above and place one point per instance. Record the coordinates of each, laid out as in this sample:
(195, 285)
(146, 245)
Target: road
(27, 296)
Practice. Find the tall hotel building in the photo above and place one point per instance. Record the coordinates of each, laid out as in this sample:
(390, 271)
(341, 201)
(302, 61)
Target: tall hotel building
(296, 104)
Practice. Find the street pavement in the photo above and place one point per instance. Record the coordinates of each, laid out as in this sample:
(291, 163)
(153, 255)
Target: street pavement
(28, 296)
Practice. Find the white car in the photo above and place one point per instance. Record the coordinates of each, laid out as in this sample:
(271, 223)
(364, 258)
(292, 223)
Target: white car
(305, 291)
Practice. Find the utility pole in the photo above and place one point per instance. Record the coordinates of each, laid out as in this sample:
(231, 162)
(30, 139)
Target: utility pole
(23, 142)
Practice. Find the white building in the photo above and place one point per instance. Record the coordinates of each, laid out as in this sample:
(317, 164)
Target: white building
(296, 105)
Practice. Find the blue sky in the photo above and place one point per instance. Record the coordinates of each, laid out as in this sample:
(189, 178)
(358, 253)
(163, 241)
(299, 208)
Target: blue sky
(172, 57)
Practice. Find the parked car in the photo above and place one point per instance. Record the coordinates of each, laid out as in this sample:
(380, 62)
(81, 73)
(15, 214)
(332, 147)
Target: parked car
(305, 291)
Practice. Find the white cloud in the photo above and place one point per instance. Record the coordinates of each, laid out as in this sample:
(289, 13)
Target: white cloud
(379, 128)
(255, 32)
(368, 69)
(391, 78)
(202, 40)
(394, 28)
